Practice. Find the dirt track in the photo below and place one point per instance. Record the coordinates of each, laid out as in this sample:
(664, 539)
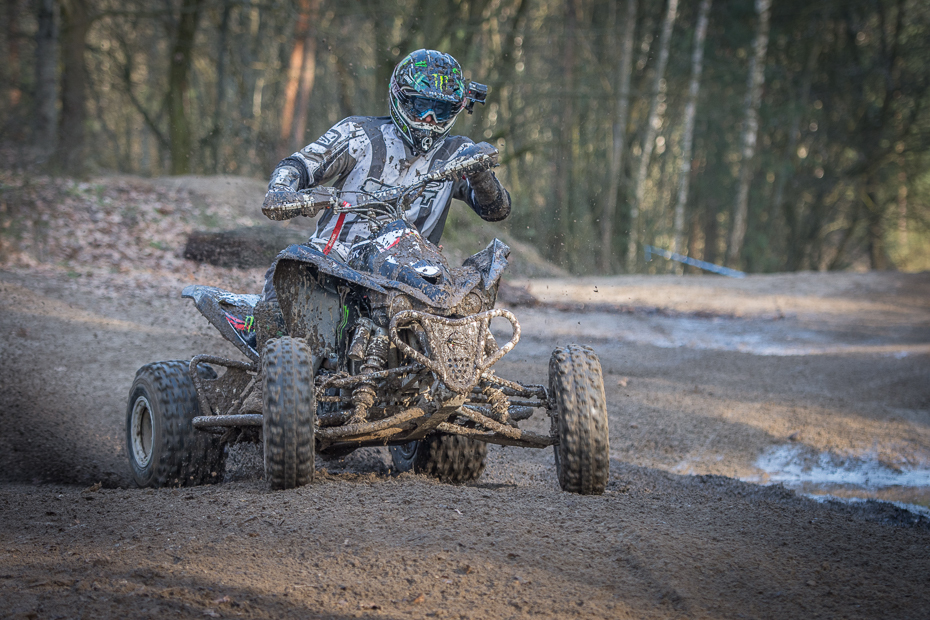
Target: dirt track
(834, 365)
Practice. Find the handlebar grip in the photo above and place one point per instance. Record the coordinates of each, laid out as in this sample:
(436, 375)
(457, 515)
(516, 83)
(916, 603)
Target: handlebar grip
(470, 165)
(284, 205)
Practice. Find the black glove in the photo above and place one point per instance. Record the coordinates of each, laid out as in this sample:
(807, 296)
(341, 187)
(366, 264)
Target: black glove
(490, 200)
(491, 157)
(285, 204)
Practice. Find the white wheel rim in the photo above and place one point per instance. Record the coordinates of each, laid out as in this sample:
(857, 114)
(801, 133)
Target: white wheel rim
(142, 431)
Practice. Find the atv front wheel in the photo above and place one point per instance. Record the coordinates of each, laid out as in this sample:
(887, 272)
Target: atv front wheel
(289, 413)
(451, 458)
(163, 446)
(582, 456)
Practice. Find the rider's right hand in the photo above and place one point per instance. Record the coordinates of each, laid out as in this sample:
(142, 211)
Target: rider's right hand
(285, 204)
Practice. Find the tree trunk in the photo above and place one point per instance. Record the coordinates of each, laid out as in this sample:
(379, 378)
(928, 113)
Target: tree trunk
(179, 125)
(384, 60)
(653, 121)
(307, 76)
(750, 132)
(344, 85)
(795, 253)
(247, 35)
(219, 111)
(687, 138)
(902, 215)
(294, 73)
(12, 50)
(854, 217)
(46, 89)
(695, 240)
(875, 229)
(564, 157)
(711, 231)
(621, 116)
(465, 15)
(71, 133)
(505, 62)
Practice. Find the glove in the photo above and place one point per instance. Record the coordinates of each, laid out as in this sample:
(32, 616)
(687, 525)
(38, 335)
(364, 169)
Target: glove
(491, 159)
(285, 204)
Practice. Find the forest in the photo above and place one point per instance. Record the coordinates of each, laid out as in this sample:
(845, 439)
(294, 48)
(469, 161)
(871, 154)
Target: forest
(763, 135)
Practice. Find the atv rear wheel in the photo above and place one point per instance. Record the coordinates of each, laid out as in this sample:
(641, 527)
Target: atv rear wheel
(163, 446)
(289, 413)
(582, 456)
(451, 458)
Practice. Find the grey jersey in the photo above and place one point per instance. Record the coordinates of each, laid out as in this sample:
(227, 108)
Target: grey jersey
(360, 147)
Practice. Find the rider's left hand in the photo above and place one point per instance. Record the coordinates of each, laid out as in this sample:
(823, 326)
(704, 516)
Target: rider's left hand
(481, 148)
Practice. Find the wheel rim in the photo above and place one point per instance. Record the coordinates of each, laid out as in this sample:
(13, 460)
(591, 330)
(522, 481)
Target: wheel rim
(408, 450)
(142, 431)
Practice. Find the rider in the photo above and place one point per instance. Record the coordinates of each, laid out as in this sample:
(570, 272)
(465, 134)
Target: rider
(427, 93)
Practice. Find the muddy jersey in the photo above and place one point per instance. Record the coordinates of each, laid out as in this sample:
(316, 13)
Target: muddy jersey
(363, 147)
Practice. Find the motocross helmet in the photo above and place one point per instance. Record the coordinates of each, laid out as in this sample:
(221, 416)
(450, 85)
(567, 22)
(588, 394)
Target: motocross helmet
(427, 93)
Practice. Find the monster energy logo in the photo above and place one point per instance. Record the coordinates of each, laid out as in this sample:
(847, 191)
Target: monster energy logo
(345, 320)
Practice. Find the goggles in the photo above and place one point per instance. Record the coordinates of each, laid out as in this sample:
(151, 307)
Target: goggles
(421, 107)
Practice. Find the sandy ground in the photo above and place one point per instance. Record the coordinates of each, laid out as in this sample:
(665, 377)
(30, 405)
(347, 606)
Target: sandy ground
(715, 387)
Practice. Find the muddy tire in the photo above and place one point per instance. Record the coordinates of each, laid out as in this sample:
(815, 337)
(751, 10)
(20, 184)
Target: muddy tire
(451, 458)
(289, 413)
(164, 448)
(582, 456)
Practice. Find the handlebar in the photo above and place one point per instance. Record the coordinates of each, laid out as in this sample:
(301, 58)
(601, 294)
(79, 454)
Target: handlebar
(286, 205)
(387, 200)
(471, 165)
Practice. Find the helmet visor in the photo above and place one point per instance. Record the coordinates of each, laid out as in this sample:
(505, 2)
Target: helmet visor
(421, 107)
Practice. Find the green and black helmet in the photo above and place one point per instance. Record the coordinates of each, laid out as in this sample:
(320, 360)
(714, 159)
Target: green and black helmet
(427, 94)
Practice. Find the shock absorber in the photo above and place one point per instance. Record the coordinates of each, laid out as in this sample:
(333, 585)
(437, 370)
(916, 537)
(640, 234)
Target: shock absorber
(363, 396)
(500, 404)
(359, 346)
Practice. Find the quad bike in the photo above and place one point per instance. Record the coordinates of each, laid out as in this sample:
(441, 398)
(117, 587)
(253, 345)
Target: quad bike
(387, 345)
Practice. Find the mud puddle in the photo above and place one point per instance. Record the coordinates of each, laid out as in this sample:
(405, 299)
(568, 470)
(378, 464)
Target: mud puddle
(853, 478)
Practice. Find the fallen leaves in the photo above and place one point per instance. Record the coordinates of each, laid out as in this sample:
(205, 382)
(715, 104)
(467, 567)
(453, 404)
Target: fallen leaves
(124, 234)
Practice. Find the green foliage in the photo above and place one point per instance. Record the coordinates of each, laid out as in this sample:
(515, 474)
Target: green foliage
(839, 175)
